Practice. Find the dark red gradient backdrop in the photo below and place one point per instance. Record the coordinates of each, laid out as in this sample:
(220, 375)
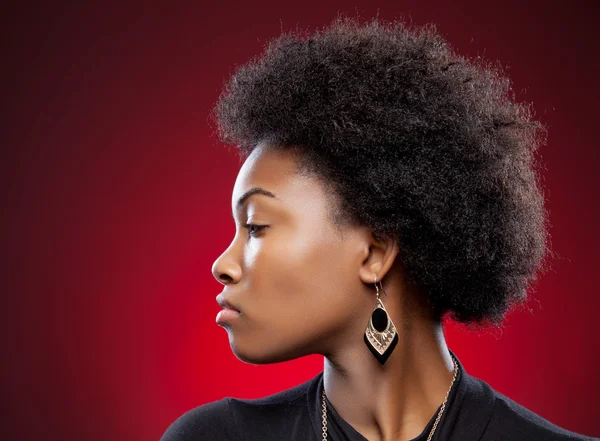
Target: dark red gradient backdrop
(118, 202)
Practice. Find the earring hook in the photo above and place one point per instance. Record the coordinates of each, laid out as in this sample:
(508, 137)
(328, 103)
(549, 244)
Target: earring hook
(377, 287)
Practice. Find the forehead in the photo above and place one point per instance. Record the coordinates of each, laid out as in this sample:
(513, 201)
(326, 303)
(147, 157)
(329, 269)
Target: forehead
(276, 171)
(301, 195)
(298, 194)
(266, 167)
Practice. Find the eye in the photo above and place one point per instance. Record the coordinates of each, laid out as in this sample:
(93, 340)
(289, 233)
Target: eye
(253, 229)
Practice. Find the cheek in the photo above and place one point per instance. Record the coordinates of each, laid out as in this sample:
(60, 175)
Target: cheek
(300, 277)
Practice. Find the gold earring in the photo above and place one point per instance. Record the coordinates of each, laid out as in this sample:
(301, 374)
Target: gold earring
(380, 336)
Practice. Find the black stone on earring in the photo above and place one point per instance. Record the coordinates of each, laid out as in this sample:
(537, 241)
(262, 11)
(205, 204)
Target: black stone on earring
(379, 319)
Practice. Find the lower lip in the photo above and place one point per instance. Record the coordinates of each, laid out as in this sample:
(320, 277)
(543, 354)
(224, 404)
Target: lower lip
(226, 315)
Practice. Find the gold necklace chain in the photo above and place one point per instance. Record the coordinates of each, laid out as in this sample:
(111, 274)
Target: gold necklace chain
(437, 420)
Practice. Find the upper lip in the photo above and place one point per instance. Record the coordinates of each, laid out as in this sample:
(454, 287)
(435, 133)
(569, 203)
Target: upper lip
(225, 303)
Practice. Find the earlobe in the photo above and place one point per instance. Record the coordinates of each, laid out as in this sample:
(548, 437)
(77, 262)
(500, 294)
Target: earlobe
(369, 272)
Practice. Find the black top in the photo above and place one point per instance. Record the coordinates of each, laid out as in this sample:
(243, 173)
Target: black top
(474, 411)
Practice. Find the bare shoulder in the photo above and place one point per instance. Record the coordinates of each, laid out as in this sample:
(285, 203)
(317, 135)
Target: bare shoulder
(209, 421)
(513, 422)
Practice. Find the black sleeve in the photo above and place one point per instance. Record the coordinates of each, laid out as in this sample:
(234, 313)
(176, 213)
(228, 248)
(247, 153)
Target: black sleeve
(209, 422)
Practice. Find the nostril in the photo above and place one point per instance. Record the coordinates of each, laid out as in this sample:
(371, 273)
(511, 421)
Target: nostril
(225, 278)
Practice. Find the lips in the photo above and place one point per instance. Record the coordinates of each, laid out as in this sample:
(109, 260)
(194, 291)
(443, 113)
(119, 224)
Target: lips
(226, 303)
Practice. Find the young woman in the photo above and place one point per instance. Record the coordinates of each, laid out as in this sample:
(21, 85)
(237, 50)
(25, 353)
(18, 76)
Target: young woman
(387, 183)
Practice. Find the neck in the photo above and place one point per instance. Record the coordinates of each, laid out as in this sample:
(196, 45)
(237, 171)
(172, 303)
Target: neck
(393, 402)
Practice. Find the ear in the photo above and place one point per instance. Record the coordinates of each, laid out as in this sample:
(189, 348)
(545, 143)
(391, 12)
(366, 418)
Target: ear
(382, 253)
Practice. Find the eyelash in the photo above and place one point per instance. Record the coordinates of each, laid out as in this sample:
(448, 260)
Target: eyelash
(258, 228)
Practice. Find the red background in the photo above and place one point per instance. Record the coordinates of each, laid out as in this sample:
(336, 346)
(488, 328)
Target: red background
(118, 202)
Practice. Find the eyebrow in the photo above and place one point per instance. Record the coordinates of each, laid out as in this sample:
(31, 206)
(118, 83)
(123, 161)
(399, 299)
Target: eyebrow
(252, 191)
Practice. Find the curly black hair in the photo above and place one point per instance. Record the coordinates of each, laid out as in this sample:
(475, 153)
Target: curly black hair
(419, 143)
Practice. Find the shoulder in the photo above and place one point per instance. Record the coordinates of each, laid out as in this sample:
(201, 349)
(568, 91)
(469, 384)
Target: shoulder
(510, 421)
(277, 402)
(228, 418)
(283, 415)
(209, 421)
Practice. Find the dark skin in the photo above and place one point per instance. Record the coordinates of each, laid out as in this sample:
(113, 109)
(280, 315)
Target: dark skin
(306, 286)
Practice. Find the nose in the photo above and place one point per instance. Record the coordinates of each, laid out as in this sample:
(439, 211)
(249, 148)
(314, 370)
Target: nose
(225, 269)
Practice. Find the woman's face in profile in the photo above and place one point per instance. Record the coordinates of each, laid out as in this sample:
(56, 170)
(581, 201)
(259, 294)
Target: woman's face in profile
(295, 277)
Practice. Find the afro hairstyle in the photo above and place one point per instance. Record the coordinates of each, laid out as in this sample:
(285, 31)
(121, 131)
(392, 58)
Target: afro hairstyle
(418, 143)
